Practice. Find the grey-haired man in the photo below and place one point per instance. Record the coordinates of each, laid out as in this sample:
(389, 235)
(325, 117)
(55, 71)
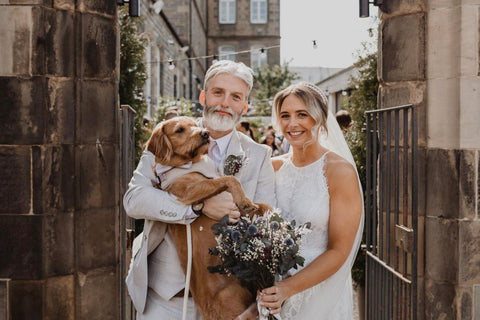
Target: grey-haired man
(156, 280)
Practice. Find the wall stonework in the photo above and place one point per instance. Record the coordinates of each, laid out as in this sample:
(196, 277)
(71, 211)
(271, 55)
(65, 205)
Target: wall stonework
(429, 56)
(59, 146)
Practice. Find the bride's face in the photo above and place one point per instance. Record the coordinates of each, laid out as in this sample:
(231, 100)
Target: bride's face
(295, 122)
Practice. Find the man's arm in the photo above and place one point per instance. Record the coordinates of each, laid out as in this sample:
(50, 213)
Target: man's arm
(265, 191)
(143, 201)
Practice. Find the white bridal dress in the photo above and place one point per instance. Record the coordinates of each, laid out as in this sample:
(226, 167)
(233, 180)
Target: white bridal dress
(302, 194)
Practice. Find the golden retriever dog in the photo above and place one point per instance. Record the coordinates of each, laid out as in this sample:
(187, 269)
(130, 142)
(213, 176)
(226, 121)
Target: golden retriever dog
(176, 142)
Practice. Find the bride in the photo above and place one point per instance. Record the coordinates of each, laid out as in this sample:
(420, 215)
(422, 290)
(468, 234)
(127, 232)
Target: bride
(316, 182)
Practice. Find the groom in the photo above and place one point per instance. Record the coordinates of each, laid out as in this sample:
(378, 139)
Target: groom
(156, 280)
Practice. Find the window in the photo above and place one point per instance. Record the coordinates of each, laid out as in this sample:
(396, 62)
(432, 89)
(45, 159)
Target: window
(258, 11)
(227, 11)
(226, 53)
(258, 56)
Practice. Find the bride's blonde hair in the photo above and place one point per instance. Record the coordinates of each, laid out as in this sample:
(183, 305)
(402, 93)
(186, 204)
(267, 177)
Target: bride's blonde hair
(315, 101)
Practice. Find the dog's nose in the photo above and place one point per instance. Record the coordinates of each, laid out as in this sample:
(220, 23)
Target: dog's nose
(204, 134)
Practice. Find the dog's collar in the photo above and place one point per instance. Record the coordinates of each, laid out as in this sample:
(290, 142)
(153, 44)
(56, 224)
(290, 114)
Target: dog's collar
(161, 170)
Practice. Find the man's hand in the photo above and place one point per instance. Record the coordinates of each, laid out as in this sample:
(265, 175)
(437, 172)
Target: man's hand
(218, 206)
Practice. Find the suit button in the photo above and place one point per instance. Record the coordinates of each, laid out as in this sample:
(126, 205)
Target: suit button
(144, 237)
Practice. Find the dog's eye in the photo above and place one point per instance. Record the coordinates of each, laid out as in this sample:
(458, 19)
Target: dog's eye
(179, 130)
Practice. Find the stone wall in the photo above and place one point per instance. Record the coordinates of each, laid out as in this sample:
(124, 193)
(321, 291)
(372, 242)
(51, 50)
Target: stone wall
(429, 56)
(59, 146)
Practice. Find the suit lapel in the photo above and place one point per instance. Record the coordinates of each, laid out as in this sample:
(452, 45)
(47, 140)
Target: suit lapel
(234, 148)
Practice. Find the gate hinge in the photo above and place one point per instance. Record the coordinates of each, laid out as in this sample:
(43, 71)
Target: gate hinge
(404, 238)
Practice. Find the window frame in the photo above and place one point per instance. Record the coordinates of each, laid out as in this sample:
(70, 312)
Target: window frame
(229, 16)
(256, 11)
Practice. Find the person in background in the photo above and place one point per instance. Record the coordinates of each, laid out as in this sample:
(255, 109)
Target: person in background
(344, 120)
(244, 127)
(270, 140)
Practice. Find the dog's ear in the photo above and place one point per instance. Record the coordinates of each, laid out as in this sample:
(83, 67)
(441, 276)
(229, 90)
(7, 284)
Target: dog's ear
(160, 145)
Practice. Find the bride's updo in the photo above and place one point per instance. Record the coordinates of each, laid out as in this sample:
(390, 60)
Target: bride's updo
(314, 100)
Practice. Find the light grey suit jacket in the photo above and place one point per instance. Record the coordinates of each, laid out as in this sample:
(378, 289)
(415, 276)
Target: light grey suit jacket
(158, 208)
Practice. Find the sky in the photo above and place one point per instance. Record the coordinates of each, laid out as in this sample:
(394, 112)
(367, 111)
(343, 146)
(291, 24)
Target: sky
(336, 26)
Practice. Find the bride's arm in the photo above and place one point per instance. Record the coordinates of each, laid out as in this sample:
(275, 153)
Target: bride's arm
(345, 215)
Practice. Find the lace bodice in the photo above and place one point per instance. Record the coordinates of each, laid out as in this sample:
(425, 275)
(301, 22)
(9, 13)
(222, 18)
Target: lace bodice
(302, 195)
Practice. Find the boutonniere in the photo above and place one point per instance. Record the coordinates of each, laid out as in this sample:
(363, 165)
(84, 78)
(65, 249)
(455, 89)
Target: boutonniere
(233, 164)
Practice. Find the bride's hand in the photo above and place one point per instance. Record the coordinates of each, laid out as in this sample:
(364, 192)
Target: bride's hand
(249, 314)
(273, 297)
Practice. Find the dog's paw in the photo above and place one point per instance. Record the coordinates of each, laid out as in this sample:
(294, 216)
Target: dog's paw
(247, 208)
(262, 208)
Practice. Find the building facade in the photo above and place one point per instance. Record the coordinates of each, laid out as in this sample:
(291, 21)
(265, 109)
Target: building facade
(246, 31)
(185, 37)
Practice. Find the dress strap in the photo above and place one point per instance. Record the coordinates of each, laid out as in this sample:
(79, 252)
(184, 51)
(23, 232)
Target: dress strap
(323, 156)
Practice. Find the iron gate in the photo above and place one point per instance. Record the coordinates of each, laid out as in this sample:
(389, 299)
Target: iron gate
(391, 214)
(126, 225)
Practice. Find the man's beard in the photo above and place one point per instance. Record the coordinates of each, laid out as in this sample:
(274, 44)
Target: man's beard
(218, 122)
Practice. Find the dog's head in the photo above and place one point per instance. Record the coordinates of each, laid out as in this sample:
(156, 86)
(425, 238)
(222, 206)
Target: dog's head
(178, 141)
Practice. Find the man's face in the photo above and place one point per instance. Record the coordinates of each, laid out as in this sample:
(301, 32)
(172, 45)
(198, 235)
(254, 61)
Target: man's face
(224, 101)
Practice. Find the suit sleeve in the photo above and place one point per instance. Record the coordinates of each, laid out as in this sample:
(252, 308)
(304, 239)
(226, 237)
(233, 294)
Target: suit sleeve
(265, 191)
(143, 201)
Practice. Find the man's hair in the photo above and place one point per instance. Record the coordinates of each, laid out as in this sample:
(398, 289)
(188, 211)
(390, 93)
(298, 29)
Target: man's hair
(237, 69)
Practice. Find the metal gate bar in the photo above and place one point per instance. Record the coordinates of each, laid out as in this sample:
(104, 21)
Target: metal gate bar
(127, 163)
(391, 213)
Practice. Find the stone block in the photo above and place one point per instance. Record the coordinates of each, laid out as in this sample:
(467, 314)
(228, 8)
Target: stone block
(21, 249)
(4, 299)
(441, 254)
(443, 118)
(439, 300)
(53, 178)
(402, 48)
(442, 183)
(440, 4)
(408, 93)
(64, 4)
(99, 50)
(27, 2)
(467, 184)
(443, 45)
(23, 122)
(95, 232)
(60, 128)
(402, 6)
(103, 7)
(469, 257)
(16, 25)
(469, 112)
(97, 176)
(58, 244)
(15, 174)
(469, 64)
(464, 302)
(97, 113)
(53, 39)
(26, 300)
(60, 302)
(98, 295)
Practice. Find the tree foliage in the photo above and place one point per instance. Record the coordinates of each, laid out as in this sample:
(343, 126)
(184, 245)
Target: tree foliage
(269, 81)
(133, 74)
(362, 99)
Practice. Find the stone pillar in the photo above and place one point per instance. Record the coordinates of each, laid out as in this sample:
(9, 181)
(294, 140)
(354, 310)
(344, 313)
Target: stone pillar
(429, 56)
(59, 141)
